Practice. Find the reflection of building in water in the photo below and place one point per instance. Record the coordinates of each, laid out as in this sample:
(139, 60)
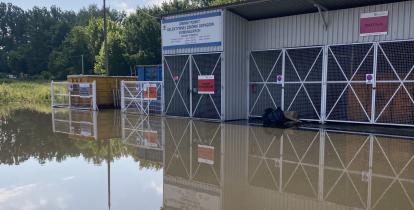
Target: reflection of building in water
(87, 124)
(144, 133)
(264, 168)
(342, 170)
(193, 165)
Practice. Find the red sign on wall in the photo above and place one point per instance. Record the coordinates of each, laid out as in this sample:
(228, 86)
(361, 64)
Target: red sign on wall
(375, 23)
(205, 84)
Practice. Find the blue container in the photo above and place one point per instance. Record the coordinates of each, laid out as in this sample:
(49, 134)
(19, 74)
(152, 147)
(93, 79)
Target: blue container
(149, 73)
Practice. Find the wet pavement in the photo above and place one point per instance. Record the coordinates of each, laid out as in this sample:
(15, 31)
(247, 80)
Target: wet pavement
(108, 160)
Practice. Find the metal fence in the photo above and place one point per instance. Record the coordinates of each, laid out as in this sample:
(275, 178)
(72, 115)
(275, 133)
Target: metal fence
(315, 164)
(73, 95)
(82, 123)
(370, 83)
(142, 97)
(183, 77)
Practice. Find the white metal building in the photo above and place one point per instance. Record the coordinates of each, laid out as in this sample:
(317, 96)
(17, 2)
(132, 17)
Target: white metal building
(329, 60)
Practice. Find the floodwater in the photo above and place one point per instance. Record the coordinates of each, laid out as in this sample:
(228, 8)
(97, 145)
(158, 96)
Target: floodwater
(107, 160)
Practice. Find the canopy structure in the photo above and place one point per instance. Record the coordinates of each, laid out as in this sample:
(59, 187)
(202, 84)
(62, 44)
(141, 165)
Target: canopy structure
(263, 9)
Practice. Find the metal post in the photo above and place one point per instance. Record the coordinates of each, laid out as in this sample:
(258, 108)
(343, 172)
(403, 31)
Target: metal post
(191, 84)
(105, 38)
(370, 162)
(248, 84)
(162, 89)
(70, 94)
(83, 67)
(122, 95)
(324, 83)
(94, 96)
(322, 137)
(95, 124)
(374, 83)
(52, 94)
(282, 100)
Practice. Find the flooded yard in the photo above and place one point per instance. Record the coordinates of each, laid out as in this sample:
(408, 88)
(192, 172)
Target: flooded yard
(67, 159)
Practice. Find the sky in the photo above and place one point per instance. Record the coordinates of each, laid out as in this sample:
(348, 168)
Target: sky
(125, 5)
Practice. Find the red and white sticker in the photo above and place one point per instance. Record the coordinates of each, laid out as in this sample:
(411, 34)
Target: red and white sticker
(150, 91)
(205, 154)
(205, 84)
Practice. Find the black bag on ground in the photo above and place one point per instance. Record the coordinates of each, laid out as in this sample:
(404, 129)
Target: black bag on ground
(274, 118)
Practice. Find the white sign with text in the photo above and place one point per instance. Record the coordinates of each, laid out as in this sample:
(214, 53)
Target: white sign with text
(203, 30)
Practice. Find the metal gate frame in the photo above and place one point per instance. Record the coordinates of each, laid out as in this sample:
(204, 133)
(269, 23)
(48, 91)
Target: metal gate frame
(176, 84)
(349, 82)
(264, 81)
(137, 97)
(284, 58)
(302, 82)
(191, 63)
(66, 92)
(372, 115)
(401, 81)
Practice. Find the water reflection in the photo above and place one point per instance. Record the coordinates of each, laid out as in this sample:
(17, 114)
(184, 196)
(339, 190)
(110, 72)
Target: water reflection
(87, 160)
(77, 160)
(262, 168)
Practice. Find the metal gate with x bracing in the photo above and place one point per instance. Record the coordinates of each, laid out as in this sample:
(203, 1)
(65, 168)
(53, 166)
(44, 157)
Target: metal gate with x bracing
(303, 82)
(349, 96)
(371, 83)
(395, 83)
(176, 85)
(264, 90)
(182, 76)
(287, 78)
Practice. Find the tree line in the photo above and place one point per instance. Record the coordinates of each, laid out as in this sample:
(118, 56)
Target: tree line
(49, 43)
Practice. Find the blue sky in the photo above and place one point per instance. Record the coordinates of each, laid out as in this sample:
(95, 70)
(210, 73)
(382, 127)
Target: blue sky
(125, 5)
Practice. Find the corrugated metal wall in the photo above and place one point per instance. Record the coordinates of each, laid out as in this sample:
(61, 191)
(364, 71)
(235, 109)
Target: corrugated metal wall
(192, 50)
(235, 67)
(343, 28)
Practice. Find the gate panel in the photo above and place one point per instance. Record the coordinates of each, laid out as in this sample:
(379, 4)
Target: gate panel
(177, 86)
(395, 83)
(264, 92)
(349, 96)
(303, 82)
(206, 105)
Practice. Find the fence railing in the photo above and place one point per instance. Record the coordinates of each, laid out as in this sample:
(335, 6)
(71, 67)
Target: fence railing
(80, 95)
(142, 97)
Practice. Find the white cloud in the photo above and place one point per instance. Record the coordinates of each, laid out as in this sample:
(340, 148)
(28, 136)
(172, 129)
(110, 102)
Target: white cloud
(68, 178)
(157, 187)
(9, 193)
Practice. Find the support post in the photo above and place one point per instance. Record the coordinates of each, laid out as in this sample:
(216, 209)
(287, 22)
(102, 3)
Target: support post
(282, 100)
(95, 107)
(83, 66)
(190, 57)
(52, 94)
(374, 83)
(123, 95)
(324, 83)
(105, 39)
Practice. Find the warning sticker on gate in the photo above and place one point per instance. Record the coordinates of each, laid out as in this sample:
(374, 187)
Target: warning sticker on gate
(83, 89)
(205, 84)
(205, 154)
(150, 91)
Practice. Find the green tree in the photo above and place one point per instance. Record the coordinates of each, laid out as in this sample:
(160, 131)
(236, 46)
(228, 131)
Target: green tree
(116, 51)
(142, 33)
